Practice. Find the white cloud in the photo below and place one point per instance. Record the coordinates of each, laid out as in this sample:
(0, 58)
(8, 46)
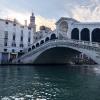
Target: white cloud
(46, 22)
(21, 17)
(10, 14)
(87, 13)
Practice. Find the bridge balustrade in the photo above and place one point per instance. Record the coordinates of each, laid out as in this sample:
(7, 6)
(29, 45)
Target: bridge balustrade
(69, 42)
(73, 43)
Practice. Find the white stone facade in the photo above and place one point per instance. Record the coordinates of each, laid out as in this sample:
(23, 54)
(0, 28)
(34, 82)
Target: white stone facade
(14, 38)
(65, 26)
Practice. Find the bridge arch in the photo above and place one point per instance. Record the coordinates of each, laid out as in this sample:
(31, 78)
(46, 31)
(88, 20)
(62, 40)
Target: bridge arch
(70, 46)
(55, 55)
(75, 34)
(33, 47)
(53, 36)
(42, 41)
(96, 35)
(47, 39)
(85, 34)
(37, 45)
(29, 49)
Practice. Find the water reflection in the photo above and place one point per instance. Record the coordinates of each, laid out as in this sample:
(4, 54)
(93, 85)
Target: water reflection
(49, 83)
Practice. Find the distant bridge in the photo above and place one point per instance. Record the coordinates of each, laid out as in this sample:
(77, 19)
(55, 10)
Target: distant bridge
(54, 50)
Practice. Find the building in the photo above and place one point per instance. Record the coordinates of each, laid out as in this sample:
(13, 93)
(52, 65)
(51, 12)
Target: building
(82, 31)
(14, 37)
(86, 32)
(44, 31)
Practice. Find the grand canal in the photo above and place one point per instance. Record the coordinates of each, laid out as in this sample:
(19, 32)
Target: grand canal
(50, 82)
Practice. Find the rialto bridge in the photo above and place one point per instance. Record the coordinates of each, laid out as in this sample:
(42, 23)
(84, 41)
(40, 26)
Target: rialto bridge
(70, 38)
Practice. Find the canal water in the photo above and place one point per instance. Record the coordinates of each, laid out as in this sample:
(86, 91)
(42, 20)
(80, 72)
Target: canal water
(50, 82)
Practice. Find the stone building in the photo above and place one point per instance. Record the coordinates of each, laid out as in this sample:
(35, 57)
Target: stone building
(14, 37)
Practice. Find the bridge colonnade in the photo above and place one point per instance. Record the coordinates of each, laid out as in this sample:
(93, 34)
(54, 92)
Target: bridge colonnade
(86, 34)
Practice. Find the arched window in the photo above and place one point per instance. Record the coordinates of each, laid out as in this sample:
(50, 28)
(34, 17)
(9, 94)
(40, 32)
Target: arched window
(42, 41)
(85, 34)
(53, 36)
(75, 34)
(37, 44)
(96, 35)
(33, 47)
(29, 49)
(47, 39)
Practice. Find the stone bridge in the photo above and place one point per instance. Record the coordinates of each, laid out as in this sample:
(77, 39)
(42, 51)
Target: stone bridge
(53, 50)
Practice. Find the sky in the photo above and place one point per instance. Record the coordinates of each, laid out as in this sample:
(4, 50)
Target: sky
(47, 12)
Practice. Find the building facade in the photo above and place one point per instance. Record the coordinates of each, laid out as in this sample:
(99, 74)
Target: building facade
(73, 29)
(44, 31)
(14, 37)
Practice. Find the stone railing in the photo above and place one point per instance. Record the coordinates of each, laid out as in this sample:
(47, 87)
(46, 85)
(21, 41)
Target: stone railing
(69, 43)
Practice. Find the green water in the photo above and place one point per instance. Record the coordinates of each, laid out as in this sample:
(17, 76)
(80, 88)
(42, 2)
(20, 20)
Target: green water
(50, 82)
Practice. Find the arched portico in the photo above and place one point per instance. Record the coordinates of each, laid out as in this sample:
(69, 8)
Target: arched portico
(75, 34)
(85, 34)
(96, 35)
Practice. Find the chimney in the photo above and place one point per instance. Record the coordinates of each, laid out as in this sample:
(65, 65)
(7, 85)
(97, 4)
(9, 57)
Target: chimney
(25, 22)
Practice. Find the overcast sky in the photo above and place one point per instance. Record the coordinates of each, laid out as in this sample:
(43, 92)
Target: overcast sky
(49, 11)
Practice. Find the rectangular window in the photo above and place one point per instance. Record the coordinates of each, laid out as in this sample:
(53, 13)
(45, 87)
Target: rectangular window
(21, 45)
(14, 37)
(29, 39)
(13, 44)
(21, 38)
(5, 38)
(21, 32)
(14, 24)
(6, 22)
(5, 43)
(6, 35)
(5, 50)
(29, 28)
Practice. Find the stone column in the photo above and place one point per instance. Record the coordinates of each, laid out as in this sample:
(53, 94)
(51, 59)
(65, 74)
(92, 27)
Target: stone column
(79, 35)
(90, 35)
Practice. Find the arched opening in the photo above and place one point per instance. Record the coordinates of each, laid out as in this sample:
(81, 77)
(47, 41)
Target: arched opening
(33, 47)
(56, 55)
(53, 36)
(75, 34)
(96, 35)
(37, 45)
(85, 34)
(29, 49)
(47, 39)
(42, 41)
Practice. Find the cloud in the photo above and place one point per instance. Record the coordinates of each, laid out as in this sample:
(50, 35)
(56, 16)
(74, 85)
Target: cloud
(11, 14)
(46, 22)
(87, 13)
(21, 17)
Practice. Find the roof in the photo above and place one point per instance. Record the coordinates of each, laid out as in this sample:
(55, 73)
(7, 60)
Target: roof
(66, 18)
(11, 21)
